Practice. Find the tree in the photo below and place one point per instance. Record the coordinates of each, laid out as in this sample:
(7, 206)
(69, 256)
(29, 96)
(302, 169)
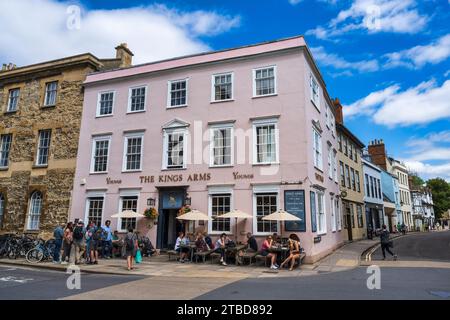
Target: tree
(417, 181)
(440, 189)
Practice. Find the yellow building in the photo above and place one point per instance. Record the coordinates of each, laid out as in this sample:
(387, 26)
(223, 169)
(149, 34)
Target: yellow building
(350, 179)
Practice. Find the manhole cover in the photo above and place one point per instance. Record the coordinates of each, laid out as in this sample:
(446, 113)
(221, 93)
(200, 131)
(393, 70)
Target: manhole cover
(441, 294)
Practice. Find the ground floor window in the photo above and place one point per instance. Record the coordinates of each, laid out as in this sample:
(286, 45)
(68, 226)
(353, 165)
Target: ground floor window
(95, 209)
(352, 215)
(220, 204)
(2, 209)
(320, 212)
(34, 211)
(338, 214)
(128, 203)
(266, 203)
(359, 213)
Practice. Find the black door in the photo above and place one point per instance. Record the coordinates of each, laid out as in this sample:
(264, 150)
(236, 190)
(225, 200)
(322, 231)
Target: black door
(349, 227)
(169, 227)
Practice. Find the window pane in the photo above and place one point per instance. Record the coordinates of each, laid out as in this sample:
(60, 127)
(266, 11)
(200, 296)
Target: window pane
(137, 99)
(134, 153)
(50, 93)
(95, 209)
(222, 146)
(106, 103)
(265, 143)
(34, 211)
(178, 93)
(265, 81)
(13, 99)
(266, 204)
(5, 147)
(129, 204)
(220, 206)
(43, 147)
(101, 155)
(175, 146)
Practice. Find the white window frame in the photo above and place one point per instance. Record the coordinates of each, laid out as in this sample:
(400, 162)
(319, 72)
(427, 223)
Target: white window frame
(327, 117)
(4, 150)
(8, 106)
(130, 90)
(260, 123)
(46, 93)
(275, 81)
(90, 195)
(338, 214)
(260, 190)
(315, 99)
(169, 93)
(335, 166)
(38, 148)
(216, 190)
(333, 214)
(99, 95)
(323, 230)
(165, 156)
(318, 163)
(330, 162)
(333, 124)
(30, 208)
(127, 193)
(213, 86)
(125, 148)
(211, 144)
(94, 140)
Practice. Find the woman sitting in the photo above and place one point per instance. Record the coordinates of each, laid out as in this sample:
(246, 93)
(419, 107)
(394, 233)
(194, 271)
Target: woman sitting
(267, 244)
(183, 251)
(294, 251)
(221, 246)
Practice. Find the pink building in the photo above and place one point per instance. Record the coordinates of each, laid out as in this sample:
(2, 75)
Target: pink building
(250, 128)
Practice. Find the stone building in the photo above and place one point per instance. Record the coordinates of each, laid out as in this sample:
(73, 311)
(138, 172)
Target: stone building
(40, 118)
(350, 179)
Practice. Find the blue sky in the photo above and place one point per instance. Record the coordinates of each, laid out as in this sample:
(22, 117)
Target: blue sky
(387, 61)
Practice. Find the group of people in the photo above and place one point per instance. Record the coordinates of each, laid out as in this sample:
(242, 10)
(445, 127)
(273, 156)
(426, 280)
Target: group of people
(294, 248)
(89, 242)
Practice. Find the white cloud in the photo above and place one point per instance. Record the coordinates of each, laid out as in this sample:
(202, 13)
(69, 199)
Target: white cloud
(152, 32)
(425, 103)
(399, 16)
(419, 56)
(428, 170)
(333, 60)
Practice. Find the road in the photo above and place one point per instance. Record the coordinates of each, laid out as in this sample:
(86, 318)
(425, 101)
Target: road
(398, 280)
(431, 246)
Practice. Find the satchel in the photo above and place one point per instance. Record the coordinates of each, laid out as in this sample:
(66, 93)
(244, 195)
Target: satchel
(138, 257)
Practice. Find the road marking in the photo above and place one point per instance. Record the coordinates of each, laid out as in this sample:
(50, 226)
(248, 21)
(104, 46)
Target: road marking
(14, 279)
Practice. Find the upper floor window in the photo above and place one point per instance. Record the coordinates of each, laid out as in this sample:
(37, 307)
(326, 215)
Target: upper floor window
(335, 166)
(372, 189)
(367, 185)
(358, 182)
(350, 150)
(174, 149)
(345, 145)
(327, 117)
(51, 89)
(379, 189)
(353, 179)
(332, 123)
(347, 177)
(132, 158)
(105, 103)
(264, 81)
(340, 142)
(330, 162)
(5, 147)
(317, 149)
(43, 150)
(314, 91)
(341, 165)
(222, 87)
(221, 146)
(100, 153)
(34, 211)
(177, 93)
(137, 97)
(2, 209)
(13, 100)
(265, 145)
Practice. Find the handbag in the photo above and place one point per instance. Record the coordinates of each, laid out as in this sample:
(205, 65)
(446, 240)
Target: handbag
(138, 257)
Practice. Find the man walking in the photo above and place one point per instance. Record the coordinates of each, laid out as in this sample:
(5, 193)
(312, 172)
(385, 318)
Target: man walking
(107, 242)
(386, 243)
(58, 234)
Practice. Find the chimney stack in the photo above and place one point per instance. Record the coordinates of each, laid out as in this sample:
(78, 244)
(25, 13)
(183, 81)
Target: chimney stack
(339, 114)
(377, 152)
(125, 55)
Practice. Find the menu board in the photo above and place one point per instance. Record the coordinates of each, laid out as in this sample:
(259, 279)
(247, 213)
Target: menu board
(294, 203)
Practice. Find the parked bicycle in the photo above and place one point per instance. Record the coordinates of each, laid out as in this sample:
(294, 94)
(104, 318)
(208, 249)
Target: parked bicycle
(41, 252)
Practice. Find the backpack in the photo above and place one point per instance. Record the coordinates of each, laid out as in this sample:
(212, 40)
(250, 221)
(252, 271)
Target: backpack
(78, 233)
(129, 241)
(96, 236)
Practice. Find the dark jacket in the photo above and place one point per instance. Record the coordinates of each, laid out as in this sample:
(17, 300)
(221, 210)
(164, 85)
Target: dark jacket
(252, 244)
(384, 237)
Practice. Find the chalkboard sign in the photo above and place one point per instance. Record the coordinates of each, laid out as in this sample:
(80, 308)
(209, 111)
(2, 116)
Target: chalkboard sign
(294, 203)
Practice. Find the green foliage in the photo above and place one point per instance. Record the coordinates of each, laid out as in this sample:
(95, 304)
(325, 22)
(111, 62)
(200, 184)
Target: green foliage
(417, 181)
(440, 190)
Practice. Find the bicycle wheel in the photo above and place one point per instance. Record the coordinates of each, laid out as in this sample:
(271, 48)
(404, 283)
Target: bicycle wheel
(34, 255)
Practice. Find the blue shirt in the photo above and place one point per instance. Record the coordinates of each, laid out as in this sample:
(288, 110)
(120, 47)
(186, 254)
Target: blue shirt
(58, 233)
(108, 232)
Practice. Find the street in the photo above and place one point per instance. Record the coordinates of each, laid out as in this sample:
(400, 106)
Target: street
(423, 279)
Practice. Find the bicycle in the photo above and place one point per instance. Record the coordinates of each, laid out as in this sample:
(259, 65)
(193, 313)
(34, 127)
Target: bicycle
(41, 252)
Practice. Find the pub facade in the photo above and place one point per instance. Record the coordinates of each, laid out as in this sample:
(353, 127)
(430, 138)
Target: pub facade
(250, 128)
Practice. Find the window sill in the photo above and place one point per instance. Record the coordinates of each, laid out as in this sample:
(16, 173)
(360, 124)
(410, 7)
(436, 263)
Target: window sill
(40, 166)
(4, 168)
(104, 115)
(321, 233)
(318, 169)
(219, 101)
(176, 107)
(98, 173)
(48, 107)
(218, 233)
(131, 171)
(10, 112)
(173, 169)
(138, 111)
(266, 164)
(224, 166)
(265, 95)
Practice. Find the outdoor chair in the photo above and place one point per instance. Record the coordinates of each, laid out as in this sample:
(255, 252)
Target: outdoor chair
(249, 255)
(203, 255)
(173, 253)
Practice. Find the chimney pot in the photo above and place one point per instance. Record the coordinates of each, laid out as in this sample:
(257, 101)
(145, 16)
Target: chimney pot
(125, 55)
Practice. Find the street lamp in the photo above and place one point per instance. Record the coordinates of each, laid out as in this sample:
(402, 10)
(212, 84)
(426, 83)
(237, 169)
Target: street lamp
(150, 202)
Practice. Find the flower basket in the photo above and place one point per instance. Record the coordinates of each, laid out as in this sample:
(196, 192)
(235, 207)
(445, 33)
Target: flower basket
(183, 210)
(151, 213)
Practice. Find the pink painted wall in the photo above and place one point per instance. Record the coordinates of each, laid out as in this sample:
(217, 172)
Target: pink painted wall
(292, 104)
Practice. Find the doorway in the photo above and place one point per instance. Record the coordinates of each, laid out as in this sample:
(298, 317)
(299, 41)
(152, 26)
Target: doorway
(349, 222)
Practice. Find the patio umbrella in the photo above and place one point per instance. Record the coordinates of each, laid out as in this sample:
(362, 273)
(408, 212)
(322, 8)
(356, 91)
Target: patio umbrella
(237, 214)
(127, 214)
(194, 215)
(281, 215)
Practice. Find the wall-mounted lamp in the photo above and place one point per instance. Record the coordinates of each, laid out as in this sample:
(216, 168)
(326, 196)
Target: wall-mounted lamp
(187, 200)
(150, 202)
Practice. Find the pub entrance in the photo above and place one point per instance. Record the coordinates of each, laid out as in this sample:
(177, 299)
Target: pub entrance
(170, 202)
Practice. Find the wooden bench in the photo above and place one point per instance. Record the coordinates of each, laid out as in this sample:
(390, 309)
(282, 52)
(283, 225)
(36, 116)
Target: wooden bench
(214, 255)
(259, 257)
(203, 255)
(249, 255)
(173, 253)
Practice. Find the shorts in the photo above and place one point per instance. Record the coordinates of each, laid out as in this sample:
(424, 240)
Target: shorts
(265, 253)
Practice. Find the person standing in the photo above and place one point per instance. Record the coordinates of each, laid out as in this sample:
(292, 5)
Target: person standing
(58, 234)
(67, 242)
(386, 243)
(131, 246)
(107, 243)
(78, 243)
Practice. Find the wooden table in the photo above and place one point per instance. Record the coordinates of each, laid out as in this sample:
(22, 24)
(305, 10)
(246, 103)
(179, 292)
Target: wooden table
(235, 250)
(191, 247)
(283, 251)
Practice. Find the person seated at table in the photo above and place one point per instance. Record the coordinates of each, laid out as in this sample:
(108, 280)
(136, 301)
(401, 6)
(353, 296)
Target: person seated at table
(208, 240)
(252, 245)
(182, 240)
(276, 238)
(201, 244)
(267, 244)
(220, 247)
(294, 251)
